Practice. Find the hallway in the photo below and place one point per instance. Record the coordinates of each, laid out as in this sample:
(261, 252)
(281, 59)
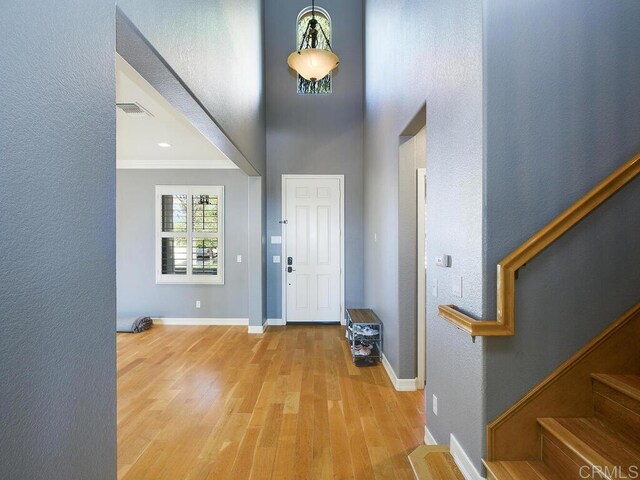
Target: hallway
(216, 402)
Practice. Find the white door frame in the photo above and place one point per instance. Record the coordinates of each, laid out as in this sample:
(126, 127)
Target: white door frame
(422, 277)
(340, 179)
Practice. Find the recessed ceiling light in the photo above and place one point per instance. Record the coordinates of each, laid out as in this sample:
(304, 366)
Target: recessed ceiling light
(164, 144)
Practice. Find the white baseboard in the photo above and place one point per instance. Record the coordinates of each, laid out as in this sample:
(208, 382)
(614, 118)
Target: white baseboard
(201, 321)
(276, 322)
(428, 438)
(400, 384)
(271, 322)
(462, 460)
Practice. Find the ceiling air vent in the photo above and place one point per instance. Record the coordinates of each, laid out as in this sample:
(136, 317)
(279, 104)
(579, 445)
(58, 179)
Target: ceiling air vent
(134, 109)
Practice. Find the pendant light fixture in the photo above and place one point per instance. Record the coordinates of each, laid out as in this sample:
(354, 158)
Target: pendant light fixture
(311, 62)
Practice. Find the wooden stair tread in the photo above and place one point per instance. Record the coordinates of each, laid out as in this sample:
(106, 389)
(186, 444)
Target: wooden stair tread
(521, 470)
(434, 462)
(593, 441)
(627, 384)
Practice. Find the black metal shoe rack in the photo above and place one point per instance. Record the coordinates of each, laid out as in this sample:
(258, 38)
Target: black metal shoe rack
(358, 321)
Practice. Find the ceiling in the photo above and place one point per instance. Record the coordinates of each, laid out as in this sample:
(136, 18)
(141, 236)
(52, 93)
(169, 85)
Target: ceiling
(137, 137)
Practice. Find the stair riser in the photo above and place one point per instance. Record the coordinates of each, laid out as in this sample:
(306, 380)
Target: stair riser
(626, 401)
(617, 409)
(560, 459)
(618, 417)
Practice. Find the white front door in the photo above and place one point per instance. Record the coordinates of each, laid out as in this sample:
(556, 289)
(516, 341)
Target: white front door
(313, 248)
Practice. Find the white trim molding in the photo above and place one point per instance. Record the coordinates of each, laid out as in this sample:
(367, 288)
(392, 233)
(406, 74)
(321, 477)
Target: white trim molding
(276, 322)
(400, 384)
(462, 460)
(429, 439)
(125, 164)
(257, 329)
(201, 321)
(422, 278)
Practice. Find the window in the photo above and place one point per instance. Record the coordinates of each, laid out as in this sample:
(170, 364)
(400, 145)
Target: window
(189, 234)
(322, 86)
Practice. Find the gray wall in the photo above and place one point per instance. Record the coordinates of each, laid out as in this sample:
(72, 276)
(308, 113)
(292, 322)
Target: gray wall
(57, 197)
(563, 111)
(417, 52)
(138, 292)
(321, 134)
(216, 48)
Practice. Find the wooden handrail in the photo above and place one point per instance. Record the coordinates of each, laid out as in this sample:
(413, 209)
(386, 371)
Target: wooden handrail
(507, 268)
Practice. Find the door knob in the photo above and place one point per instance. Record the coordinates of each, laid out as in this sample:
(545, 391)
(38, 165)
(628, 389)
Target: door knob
(289, 260)
(290, 269)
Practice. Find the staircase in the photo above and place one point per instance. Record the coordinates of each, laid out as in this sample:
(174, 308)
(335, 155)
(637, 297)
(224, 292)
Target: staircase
(574, 424)
(604, 446)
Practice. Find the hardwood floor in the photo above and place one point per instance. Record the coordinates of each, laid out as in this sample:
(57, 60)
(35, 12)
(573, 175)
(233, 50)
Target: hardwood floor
(218, 403)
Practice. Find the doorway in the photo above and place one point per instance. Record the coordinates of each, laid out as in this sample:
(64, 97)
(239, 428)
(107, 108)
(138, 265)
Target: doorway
(411, 242)
(313, 248)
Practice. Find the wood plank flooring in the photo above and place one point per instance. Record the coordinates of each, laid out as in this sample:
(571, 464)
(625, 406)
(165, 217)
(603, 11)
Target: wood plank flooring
(218, 403)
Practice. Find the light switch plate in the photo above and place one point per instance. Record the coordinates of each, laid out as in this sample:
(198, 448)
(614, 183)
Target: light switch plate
(443, 260)
(239, 258)
(276, 239)
(276, 259)
(456, 286)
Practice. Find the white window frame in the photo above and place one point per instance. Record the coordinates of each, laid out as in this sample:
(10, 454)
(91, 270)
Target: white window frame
(189, 191)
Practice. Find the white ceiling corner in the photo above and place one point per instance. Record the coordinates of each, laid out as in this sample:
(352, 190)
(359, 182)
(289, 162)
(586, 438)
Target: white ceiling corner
(137, 138)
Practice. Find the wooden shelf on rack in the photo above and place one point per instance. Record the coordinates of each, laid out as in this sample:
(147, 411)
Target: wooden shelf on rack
(363, 315)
